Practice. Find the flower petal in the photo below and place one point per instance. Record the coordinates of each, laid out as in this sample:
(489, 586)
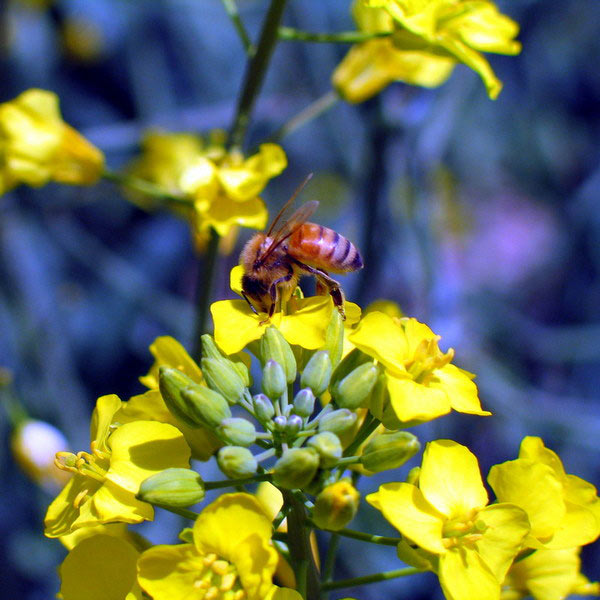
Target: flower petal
(460, 389)
(102, 417)
(464, 576)
(414, 401)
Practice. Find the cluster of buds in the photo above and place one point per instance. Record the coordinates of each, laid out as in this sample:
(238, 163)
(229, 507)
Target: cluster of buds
(306, 426)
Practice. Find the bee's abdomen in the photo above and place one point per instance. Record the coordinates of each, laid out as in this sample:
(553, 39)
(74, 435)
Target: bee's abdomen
(324, 248)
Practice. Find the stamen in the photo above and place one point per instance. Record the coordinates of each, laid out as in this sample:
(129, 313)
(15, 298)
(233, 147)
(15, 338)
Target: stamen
(228, 581)
(212, 594)
(80, 498)
(220, 567)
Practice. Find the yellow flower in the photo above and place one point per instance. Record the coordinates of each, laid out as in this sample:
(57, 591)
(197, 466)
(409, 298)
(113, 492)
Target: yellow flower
(471, 544)
(105, 481)
(427, 39)
(150, 406)
(563, 509)
(232, 557)
(304, 324)
(548, 575)
(37, 146)
(223, 187)
(421, 381)
(100, 567)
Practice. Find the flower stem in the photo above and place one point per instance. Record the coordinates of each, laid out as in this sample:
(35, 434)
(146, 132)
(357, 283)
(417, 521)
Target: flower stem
(368, 537)
(368, 426)
(182, 512)
(204, 289)
(289, 34)
(376, 577)
(232, 11)
(328, 566)
(312, 111)
(215, 485)
(255, 72)
(148, 188)
(301, 557)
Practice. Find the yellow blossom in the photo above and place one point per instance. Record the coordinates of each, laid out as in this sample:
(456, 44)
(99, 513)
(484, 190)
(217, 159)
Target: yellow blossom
(100, 567)
(427, 38)
(223, 186)
(548, 575)
(150, 406)
(563, 509)
(471, 545)
(303, 324)
(37, 146)
(232, 557)
(105, 481)
(421, 381)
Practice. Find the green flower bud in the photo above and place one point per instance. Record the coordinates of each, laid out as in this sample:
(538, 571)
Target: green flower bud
(263, 407)
(334, 337)
(172, 487)
(317, 373)
(296, 468)
(221, 376)
(273, 382)
(336, 505)
(413, 476)
(329, 447)
(293, 425)
(171, 383)
(380, 405)
(304, 402)
(280, 422)
(353, 390)
(211, 350)
(337, 421)
(389, 450)
(237, 432)
(236, 462)
(273, 346)
(351, 361)
(207, 406)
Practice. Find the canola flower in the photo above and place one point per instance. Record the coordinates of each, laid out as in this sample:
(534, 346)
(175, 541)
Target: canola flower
(37, 146)
(426, 40)
(223, 185)
(421, 380)
(231, 557)
(468, 543)
(105, 481)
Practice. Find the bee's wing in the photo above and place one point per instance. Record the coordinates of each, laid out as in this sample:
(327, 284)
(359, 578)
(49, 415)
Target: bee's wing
(296, 220)
(288, 205)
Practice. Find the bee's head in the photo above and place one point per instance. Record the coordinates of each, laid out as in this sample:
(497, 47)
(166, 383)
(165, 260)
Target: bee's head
(256, 291)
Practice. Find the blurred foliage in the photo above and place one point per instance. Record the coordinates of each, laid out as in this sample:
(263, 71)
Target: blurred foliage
(478, 217)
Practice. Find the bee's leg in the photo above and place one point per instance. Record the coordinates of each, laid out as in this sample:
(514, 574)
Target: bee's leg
(332, 286)
(274, 293)
(249, 303)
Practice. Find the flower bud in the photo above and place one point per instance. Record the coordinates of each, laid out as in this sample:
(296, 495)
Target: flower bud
(280, 422)
(273, 346)
(211, 350)
(236, 462)
(171, 383)
(380, 405)
(351, 361)
(221, 376)
(263, 407)
(389, 450)
(172, 487)
(336, 505)
(329, 447)
(304, 402)
(273, 382)
(317, 373)
(337, 421)
(334, 337)
(296, 468)
(206, 406)
(237, 432)
(413, 476)
(293, 425)
(353, 390)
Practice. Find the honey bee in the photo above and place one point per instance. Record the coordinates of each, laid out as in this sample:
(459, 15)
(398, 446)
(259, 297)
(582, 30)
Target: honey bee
(274, 261)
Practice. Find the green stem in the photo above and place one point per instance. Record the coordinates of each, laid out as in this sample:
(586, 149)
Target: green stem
(347, 460)
(14, 410)
(232, 11)
(328, 566)
(312, 111)
(255, 72)
(148, 188)
(204, 289)
(368, 426)
(182, 512)
(289, 34)
(216, 485)
(376, 577)
(301, 557)
(369, 537)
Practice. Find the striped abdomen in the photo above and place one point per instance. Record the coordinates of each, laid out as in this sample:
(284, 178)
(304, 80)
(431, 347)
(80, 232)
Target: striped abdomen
(324, 248)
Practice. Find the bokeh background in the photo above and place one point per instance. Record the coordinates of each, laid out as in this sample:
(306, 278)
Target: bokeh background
(480, 218)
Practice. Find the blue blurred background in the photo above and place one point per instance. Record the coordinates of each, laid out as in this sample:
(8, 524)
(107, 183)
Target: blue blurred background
(480, 218)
